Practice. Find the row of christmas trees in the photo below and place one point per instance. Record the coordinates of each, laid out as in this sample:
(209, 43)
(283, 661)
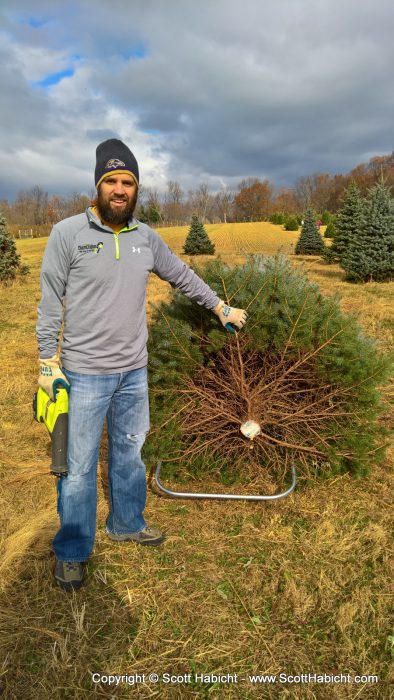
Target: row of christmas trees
(363, 242)
(364, 236)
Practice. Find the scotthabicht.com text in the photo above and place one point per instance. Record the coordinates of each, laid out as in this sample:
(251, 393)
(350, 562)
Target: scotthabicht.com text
(231, 678)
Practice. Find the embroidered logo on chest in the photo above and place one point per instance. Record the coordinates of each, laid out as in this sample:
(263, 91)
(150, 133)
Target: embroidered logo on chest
(90, 247)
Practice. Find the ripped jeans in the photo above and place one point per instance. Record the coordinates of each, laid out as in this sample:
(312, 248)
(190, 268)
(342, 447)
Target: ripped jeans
(123, 400)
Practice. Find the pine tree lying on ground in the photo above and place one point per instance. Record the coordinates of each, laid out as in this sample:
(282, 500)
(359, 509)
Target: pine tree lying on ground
(310, 241)
(10, 261)
(197, 240)
(300, 368)
(369, 255)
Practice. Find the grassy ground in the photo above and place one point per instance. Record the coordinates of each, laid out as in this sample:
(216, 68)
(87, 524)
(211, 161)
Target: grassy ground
(299, 586)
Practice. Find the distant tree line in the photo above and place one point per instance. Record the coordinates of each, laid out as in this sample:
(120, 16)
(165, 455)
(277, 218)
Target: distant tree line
(35, 207)
(252, 200)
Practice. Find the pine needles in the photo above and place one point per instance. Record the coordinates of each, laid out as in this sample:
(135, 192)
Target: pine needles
(300, 368)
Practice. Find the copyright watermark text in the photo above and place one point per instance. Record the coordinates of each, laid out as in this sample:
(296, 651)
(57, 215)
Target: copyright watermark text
(228, 678)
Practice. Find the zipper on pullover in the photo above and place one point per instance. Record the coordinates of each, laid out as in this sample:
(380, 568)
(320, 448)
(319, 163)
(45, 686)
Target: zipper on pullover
(117, 254)
(103, 226)
(116, 235)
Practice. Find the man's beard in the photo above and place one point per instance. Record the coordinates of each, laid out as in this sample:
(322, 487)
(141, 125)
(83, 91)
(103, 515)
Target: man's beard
(115, 216)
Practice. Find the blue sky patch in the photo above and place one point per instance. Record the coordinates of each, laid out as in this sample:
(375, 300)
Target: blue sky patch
(137, 52)
(54, 78)
(34, 22)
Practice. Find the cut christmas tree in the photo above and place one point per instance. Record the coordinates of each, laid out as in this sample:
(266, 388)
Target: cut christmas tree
(301, 369)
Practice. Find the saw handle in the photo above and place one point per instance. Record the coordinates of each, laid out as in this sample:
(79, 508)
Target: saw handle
(59, 438)
(54, 415)
(230, 327)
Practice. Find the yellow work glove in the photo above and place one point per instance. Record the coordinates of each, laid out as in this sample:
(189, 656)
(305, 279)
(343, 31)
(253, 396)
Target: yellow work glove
(51, 377)
(229, 316)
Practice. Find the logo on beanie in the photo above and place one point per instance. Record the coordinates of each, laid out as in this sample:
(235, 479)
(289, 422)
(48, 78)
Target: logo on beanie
(115, 163)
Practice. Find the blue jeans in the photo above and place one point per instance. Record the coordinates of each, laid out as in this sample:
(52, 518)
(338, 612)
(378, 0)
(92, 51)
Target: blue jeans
(123, 400)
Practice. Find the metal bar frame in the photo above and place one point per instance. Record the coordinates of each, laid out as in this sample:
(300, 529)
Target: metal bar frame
(223, 496)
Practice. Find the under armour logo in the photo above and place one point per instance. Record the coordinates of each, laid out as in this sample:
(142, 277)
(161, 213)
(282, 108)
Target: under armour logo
(136, 250)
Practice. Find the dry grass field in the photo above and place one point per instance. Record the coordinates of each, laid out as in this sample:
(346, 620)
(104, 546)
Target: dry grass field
(300, 586)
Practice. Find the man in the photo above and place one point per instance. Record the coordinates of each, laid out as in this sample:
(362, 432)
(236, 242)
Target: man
(93, 279)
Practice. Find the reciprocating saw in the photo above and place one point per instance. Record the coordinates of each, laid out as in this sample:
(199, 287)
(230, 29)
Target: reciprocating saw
(54, 414)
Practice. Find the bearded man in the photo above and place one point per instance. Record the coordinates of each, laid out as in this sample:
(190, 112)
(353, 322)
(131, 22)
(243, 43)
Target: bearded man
(93, 280)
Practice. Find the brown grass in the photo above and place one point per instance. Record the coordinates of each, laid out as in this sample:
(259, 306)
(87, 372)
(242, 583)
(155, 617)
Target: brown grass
(302, 585)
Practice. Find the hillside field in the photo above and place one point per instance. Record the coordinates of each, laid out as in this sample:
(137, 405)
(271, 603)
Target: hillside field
(300, 586)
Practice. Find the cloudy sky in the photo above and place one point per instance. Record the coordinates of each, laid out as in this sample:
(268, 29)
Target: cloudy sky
(210, 91)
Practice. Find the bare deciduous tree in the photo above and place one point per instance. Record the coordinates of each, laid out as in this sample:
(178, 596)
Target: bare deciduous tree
(173, 203)
(201, 201)
(224, 201)
(303, 190)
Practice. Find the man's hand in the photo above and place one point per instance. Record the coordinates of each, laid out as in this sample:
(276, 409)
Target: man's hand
(51, 377)
(228, 314)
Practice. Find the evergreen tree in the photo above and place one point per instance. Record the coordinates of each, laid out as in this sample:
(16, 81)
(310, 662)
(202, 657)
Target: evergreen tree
(277, 218)
(310, 241)
(10, 262)
(142, 214)
(370, 254)
(153, 215)
(291, 224)
(148, 215)
(329, 255)
(331, 230)
(349, 221)
(197, 240)
(303, 369)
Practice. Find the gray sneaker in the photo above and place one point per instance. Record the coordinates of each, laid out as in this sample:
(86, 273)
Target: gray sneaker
(69, 575)
(148, 536)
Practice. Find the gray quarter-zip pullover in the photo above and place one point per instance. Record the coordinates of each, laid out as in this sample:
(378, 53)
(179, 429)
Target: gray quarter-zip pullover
(95, 281)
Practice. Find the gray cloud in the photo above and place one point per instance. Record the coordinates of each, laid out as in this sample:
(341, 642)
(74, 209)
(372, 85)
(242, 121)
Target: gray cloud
(225, 90)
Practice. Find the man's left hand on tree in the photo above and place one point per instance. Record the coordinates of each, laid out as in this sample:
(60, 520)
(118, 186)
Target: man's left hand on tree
(229, 314)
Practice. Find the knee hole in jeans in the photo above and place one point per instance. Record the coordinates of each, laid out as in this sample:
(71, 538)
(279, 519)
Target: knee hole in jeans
(137, 440)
